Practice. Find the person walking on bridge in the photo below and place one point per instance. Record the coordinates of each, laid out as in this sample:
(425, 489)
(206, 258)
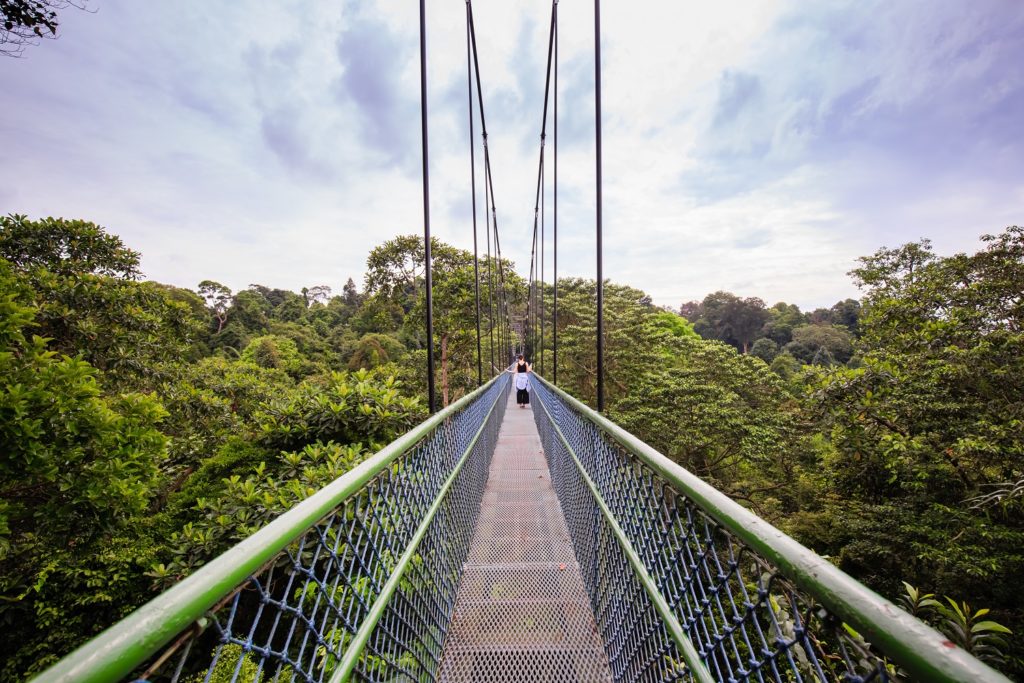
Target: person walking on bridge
(522, 371)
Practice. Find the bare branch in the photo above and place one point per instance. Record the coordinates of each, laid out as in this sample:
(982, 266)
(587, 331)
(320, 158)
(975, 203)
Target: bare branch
(26, 22)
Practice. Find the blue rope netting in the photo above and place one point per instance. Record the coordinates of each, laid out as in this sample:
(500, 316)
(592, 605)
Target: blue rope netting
(294, 619)
(746, 621)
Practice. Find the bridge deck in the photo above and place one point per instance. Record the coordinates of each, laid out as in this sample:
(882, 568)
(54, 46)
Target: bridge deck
(522, 613)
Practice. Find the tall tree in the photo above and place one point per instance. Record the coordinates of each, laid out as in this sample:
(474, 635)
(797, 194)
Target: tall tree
(846, 313)
(783, 318)
(820, 341)
(395, 288)
(65, 248)
(77, 469)
(726, 317)
(317, 294)
(218, 298)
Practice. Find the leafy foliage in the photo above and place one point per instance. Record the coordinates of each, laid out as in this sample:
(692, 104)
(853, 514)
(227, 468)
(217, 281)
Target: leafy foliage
(273, 351)
(242, 505)
(372, 350)
(930, 418)
(740, 423)
(65, 248)
(820, 345)
(77, 469)
(965, 626)
(727, 317)
(340, 407)
(396, 303)
(89, 302)
(145, 428)
(23, 22)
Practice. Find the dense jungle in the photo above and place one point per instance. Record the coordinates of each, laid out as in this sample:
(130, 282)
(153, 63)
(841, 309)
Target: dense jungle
(144, 428)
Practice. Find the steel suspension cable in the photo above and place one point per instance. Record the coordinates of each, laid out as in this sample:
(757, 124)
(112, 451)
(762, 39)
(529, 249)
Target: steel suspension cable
(541, 307)
(600, 269)
(529, 300)
(490, 273)
(531, 307)
(502, 292)
(536, 294)
(502, 302)
(534, 325)
(554, 276)
(472, 180)
(426, 207)
(504, 329)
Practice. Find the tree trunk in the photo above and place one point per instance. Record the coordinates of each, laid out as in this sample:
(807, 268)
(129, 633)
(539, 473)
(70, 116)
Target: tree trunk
(444, 370)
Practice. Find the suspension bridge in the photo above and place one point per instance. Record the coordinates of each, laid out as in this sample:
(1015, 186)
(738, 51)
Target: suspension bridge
(546, 544)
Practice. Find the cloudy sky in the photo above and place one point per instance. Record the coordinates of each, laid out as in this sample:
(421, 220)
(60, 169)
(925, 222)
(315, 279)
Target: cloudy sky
(758, 147)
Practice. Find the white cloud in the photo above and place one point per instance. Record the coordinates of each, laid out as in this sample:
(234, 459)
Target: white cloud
(758, 147)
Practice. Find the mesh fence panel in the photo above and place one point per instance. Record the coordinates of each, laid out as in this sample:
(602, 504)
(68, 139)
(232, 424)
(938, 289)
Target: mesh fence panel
(294, 619)
(746, 621)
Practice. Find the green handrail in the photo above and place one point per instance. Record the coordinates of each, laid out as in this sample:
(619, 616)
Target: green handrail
(356, 647)
(697, 669)
(919, 649)
(123, 647)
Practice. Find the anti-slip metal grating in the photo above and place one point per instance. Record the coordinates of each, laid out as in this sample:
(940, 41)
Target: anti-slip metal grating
(742, 620)
(522, 612)
(298, 618)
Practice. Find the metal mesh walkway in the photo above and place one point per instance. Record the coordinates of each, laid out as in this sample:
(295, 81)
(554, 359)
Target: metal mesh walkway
(522, 613)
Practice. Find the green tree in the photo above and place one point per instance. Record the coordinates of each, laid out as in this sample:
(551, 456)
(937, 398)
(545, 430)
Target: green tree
(76, 470)
(351, 295)
(783, 318)
(248, 316)
(726, 317)
(723, 416)
(218, 298)
(765, 349)
(272, 351)
(929, 422)
(209, 402)
(675, 325)
(846, 313)
(66, 248)
(820, 341)
(395, 291)
(89, 304)
(785, 366)
(372, 350)
(630, 320)
(364, 406)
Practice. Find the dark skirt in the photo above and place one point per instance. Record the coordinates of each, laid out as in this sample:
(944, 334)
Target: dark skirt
(523, 396)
